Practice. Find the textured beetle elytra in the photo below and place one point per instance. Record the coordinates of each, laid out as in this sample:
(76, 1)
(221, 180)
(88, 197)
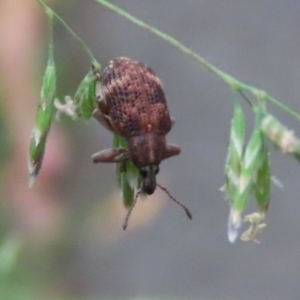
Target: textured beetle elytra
(132, 104)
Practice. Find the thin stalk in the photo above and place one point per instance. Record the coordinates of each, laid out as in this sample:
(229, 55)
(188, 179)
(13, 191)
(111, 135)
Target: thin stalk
(246, 98)
(233, 82)
(48, 10)
(50, 19)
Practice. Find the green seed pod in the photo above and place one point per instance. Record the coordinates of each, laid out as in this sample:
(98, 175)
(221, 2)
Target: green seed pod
(36, 153)
(127, 192)
(238, 205)
(46, 105)
(43, 121)
(85, 96)
(281, 136)
(262, 184)
(240, 190)
(233, 170)
(119, 141)
(252, 159)
(128, 176)
(235, 151)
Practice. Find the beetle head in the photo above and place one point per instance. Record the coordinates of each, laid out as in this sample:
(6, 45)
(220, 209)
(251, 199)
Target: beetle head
(146, 150)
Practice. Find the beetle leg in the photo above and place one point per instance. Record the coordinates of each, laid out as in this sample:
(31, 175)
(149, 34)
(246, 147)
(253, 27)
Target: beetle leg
(171, 150)
(112, 155)
(96, 73)
(99, 90)
(103, 120)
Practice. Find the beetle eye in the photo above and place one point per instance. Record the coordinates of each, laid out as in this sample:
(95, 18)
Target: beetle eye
(156, 170)
(143, 172)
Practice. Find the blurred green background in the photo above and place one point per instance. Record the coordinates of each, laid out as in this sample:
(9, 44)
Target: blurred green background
(63, 238)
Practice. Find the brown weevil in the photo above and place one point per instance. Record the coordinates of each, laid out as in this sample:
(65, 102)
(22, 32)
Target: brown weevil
(132, 104)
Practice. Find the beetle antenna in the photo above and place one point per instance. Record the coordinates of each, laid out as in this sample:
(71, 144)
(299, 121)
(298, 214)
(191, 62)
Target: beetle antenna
(188, 213)
(125, 224)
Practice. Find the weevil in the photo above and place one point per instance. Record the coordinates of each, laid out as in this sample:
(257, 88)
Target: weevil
(131, 103)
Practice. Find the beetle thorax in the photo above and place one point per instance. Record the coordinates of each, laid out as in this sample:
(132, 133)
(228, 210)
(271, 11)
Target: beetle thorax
(146, 149)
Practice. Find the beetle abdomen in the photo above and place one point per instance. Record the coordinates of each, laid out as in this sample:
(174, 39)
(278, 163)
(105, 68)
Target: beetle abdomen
(134, 98)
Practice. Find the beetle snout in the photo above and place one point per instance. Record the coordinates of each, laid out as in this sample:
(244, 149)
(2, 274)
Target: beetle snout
(149, 185)
(149, 178)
